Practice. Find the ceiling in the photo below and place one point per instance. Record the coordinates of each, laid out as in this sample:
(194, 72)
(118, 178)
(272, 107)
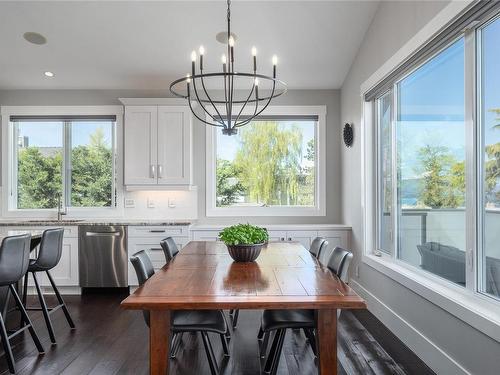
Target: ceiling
(146, 45)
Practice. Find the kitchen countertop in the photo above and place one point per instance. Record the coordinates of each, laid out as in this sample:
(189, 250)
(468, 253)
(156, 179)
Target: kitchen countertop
(75, 222)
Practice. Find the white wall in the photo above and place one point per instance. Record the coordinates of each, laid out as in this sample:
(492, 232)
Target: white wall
(445, 343)
(192, 204)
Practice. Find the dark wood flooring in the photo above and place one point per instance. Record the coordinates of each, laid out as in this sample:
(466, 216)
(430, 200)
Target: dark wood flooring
(109, 340)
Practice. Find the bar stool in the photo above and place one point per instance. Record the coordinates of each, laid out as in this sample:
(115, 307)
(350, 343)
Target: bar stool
(49, 254)
(202, 321)
(14, 260)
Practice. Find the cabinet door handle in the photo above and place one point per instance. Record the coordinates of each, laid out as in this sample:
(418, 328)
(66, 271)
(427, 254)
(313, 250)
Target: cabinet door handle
(152, 171)
(160, 171)
(282, 238)
(157, 231)
(289, 238)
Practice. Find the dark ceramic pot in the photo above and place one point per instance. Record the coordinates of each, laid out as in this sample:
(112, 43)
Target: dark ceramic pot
(244, 253)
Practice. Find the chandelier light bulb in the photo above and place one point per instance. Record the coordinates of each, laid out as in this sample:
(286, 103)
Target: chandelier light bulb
(188, 76)
(223, 58)
(254, 51)
(202, 50)
(193, 56)
(231, 41)
(275, 60)
(256, 82)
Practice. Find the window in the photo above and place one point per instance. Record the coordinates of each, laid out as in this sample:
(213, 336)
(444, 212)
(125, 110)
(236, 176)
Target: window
(71, 159)
(270, 167)
(489, 99)
(437, 169)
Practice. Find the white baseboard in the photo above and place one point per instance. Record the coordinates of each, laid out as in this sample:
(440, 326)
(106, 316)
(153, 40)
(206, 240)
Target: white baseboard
(436, 358)
(64, 290)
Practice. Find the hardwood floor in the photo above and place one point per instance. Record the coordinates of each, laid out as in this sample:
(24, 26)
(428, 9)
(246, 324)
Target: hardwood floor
(110, 340)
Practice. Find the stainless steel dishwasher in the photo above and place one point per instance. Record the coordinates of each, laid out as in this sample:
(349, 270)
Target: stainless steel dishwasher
(102, 255)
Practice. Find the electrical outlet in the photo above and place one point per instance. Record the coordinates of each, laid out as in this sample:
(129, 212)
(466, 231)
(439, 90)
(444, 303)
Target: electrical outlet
(129, 203)
(151, 203)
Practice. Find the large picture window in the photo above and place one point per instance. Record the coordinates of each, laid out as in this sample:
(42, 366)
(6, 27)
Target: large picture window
(437, 170)
(270, 166)
(67, 160)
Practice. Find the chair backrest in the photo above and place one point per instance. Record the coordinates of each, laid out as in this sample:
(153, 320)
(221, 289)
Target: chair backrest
(50, 250)
(14, 258)
(339, 263)
(316, 246)
(144, 270)
(170, 248)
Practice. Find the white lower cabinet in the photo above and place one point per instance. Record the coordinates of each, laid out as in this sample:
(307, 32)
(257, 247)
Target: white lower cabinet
(66, 271)
(337, 235)
(148, 238)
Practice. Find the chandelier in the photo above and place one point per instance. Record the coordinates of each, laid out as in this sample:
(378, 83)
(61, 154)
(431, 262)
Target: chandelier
(233, 98)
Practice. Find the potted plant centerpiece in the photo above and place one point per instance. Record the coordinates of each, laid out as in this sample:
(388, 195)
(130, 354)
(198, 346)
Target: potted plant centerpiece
(244, 241)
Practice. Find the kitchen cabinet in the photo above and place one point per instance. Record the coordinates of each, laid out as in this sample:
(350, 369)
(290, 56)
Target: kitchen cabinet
(157, 146)
(148, 238)
(337, 235)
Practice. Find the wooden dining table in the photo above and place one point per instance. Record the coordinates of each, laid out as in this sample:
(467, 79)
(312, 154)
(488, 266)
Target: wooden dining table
(204, 276)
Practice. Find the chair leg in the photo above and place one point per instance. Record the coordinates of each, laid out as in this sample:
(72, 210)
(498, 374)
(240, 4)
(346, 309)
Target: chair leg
(27, 320)
(45, 310)
(271, 357)
(260, 336)
(61, 301)
(6, 346)
(277, 355)
(311, 337)
(176, 343)
(235, 318)
(25, 295)
(225, 347)
(228, 332)
(264, 344)
(212, 362)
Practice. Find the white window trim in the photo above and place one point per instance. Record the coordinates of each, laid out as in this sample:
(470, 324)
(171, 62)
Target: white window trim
(320, 133)
(72, 212)
(476, 309)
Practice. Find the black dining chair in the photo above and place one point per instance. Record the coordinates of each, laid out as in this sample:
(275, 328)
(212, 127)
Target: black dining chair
(203, 321)
(281, 320)
(49, 255)
(14, 261)
(170, 248)
(317, 246)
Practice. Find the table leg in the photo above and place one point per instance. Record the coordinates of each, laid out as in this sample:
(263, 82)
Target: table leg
(159, 341)
(327, 341)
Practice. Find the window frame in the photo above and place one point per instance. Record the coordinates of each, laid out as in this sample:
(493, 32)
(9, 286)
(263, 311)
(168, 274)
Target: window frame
(469, 304)
(9, 207)
(320, 173)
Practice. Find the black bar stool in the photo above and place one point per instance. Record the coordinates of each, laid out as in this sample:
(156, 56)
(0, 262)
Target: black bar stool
(49, 254)
(170, 248)
(14, 260)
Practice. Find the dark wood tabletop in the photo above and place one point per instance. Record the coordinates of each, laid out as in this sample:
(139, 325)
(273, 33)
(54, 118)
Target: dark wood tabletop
(204, 276)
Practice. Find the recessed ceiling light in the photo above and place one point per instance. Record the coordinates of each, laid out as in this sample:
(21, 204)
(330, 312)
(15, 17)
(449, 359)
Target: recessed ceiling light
(35, 38)
(49, 74)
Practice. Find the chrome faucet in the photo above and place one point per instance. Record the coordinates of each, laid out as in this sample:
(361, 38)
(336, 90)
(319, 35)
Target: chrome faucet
(60, 212)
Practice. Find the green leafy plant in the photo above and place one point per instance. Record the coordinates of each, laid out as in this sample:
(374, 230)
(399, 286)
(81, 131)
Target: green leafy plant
(244, 234)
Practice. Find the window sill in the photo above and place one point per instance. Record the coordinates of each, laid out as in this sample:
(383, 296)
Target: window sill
(475, 309)
(265, 211)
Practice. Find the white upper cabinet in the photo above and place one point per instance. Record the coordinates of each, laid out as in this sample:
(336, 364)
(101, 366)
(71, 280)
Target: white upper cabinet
(174, 145)
(157, 148)
(140, 159)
